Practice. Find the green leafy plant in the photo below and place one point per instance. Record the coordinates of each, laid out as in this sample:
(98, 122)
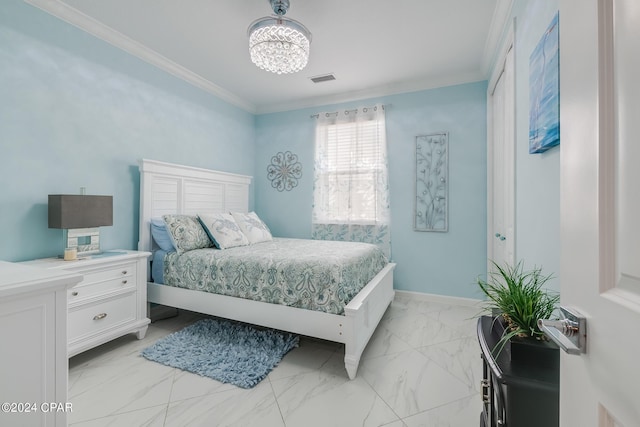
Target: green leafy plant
(518, 296)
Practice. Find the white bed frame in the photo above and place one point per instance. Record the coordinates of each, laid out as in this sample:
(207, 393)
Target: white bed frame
(167, 188)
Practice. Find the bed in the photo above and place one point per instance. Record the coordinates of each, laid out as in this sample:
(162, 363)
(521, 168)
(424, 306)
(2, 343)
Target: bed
(171, 189)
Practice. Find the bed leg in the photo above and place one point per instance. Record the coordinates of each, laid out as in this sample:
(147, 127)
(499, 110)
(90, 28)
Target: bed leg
(351, 365)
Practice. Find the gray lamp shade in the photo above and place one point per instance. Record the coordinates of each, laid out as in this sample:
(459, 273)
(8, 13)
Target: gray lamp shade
(69, 211)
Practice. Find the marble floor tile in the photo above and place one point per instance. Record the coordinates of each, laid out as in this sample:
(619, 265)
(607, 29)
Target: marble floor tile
(149, 417)
(318, 399)
(461, 413)
(237, 407)
(460, 357)
(187, 385)
(383, 342)
(335, 365)
(461, 318)
(397, 308)
(309, 356)
(421, 368)
(411, 383)
(420, 330)
(74, 374)
(112, 389)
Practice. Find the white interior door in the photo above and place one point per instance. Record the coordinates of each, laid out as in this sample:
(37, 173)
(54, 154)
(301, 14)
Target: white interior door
(600, 208)
(501, 159)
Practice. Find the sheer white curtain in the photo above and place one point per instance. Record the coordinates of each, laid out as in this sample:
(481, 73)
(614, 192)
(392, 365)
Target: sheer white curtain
(351, 185)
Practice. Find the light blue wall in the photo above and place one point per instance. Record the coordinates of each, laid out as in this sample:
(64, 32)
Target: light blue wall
(537, 175)
(437, 263)
(78, 112)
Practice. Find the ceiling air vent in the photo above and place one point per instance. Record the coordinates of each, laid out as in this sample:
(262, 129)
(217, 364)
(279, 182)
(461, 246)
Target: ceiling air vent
(323, 78)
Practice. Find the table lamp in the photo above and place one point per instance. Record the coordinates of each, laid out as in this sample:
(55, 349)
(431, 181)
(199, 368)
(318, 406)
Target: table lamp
(80, 216)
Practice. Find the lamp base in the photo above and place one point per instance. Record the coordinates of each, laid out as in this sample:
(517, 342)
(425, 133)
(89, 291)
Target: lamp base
(85, 240)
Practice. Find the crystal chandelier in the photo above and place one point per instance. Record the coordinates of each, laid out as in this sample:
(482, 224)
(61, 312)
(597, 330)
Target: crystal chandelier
(279, 44)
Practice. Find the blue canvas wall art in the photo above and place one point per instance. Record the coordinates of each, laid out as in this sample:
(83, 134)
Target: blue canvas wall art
(544, 91)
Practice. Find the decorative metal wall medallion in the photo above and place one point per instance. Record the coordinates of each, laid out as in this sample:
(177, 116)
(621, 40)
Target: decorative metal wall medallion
(284, 171)
(432, 187)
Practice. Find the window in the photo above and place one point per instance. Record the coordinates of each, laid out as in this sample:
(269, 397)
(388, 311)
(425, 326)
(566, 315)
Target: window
(351, 179)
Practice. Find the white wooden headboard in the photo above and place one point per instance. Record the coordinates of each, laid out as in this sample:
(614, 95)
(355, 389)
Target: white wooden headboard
(167, 188)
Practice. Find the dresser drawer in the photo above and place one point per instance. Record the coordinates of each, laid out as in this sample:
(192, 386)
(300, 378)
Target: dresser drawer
(92, 319)
(111, 272)
(109, 302)
(103, 281)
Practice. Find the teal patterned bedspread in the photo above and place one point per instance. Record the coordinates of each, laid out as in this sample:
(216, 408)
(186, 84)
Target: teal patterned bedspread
(310, 274)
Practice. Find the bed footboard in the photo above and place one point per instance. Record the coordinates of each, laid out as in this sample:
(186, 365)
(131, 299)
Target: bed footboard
(363, 314)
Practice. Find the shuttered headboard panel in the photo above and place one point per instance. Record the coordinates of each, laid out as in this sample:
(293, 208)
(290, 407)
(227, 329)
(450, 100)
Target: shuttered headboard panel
(167, 188)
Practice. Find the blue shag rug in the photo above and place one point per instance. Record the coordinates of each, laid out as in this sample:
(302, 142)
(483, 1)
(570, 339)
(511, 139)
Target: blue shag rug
(227, 351)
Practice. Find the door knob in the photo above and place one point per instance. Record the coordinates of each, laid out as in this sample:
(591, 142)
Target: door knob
(570, 332)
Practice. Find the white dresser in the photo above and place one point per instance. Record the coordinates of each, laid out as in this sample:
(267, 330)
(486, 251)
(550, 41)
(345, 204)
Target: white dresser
(111, 300)
(33, 345)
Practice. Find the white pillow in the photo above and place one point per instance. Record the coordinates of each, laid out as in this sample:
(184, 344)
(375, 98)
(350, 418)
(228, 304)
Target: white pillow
(252, 227)
(223, 230)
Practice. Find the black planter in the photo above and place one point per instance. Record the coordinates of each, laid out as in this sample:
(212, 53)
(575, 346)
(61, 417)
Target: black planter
(528, 350)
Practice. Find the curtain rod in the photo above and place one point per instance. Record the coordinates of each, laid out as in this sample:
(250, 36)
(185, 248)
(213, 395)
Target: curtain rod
(354, 110)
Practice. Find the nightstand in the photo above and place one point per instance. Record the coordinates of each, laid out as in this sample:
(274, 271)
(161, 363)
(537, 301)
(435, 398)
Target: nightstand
(109, 302)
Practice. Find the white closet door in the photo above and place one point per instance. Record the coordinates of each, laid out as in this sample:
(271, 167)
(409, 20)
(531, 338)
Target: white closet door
(501, 167)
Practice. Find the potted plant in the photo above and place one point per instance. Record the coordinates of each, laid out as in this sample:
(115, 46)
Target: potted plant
(517, 300)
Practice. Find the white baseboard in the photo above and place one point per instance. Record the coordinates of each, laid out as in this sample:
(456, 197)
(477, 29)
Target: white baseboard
(442, 299)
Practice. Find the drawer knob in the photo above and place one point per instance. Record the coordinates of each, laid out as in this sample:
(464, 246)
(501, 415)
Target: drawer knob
(99, 316)
(74, 293)
(124, 282)
(124, 271)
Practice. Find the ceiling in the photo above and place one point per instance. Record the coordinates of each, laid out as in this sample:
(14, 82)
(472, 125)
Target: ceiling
(373, 47)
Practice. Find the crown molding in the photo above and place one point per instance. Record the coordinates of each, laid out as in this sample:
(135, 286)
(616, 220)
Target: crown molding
(501, 16)
(377, 92)
(78, 19)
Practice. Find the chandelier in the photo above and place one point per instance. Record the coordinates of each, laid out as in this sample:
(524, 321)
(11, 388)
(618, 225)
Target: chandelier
(279, 44)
